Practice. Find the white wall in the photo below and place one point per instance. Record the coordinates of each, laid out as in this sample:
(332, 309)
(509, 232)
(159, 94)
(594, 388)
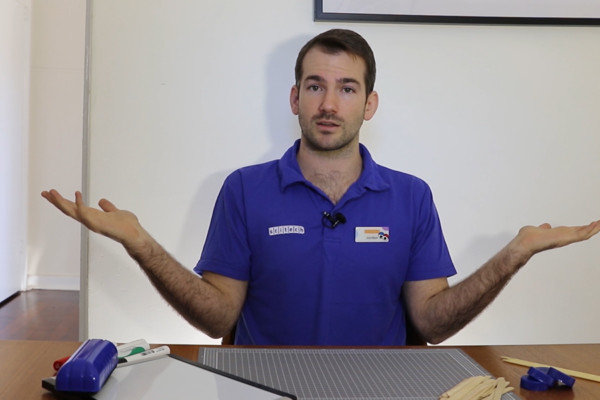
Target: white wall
(502, 121)
(15, 24)
(55, 151)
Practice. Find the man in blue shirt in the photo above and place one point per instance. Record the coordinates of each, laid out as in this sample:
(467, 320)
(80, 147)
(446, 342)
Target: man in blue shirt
(323, 246)
(315, 279)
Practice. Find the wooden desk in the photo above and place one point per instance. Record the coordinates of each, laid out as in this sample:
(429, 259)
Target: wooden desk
(23, 365)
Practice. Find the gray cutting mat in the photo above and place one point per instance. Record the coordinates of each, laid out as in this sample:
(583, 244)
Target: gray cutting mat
(349, 374)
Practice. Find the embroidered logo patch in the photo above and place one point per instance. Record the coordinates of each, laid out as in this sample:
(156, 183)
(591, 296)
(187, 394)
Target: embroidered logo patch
(286, 230)
(368, 234)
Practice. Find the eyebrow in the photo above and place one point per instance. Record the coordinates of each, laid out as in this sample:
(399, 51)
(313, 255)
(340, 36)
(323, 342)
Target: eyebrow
(318, 78)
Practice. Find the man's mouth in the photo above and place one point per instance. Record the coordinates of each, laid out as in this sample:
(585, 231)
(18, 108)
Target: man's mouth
(327, 123)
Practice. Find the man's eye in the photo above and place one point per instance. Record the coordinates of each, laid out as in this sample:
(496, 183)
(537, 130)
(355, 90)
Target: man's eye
(313, 88)
(348, 90)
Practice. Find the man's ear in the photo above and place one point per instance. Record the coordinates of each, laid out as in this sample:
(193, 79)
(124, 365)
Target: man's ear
(371, 105)
(294, 99)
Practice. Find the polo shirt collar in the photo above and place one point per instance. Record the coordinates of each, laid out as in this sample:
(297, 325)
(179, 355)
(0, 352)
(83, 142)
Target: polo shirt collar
(370, 178)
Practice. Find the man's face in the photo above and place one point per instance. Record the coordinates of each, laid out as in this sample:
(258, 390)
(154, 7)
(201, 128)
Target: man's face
(331, 100)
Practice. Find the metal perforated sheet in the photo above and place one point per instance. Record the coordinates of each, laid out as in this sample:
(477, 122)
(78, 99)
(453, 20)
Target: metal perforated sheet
(350, 374)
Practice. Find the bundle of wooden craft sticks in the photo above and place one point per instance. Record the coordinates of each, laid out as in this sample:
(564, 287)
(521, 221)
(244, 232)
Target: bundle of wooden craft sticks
(478, 388)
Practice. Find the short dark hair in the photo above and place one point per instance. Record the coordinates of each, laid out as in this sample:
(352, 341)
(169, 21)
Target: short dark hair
(341, 40)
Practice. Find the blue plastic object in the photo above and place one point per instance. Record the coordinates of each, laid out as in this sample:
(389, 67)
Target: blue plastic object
(544, 378)
(88, 368)
(541, 374)
(561, 377)
(529, 383)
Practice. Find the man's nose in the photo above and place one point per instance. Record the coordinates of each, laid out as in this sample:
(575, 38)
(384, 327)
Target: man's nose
(329, 104)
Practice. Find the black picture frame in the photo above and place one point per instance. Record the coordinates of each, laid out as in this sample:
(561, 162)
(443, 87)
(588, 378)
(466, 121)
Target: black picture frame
(394, 17)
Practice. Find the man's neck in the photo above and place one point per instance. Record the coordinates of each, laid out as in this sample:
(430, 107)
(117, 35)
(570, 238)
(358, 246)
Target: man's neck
(331, 171)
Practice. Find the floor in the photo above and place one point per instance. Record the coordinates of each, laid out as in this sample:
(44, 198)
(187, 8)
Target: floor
(41, 315)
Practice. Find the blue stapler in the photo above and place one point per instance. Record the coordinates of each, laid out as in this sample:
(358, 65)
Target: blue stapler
(88, 368)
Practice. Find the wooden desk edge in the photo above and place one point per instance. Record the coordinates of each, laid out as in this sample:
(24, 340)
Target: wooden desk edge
(26, 363)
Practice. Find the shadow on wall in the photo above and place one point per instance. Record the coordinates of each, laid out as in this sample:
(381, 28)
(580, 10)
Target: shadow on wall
(283, 130)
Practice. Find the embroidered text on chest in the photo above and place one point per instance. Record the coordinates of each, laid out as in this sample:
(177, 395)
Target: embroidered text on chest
(286, 230)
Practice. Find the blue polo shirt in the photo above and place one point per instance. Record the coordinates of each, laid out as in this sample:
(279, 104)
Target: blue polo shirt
(308, 283)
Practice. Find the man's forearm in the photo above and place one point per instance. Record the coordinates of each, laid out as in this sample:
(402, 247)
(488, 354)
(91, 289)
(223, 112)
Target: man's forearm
(210, 306)
(439, 311)
(451, 309)
(202, 304)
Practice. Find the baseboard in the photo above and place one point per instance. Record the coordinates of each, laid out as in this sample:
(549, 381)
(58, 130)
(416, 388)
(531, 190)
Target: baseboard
(53, 282)
(9, 298)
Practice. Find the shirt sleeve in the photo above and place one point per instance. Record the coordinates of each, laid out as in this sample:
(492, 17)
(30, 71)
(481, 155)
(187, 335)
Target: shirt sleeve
(430, 257)
(226, 250)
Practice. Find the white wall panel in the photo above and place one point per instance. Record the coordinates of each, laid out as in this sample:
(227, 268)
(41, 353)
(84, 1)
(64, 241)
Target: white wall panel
(502, 122)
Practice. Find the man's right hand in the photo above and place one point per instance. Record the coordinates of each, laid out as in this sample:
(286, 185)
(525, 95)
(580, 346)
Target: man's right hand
(120, 225)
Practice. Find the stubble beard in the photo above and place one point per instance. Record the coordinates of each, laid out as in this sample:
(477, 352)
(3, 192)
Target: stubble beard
(312, 136)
